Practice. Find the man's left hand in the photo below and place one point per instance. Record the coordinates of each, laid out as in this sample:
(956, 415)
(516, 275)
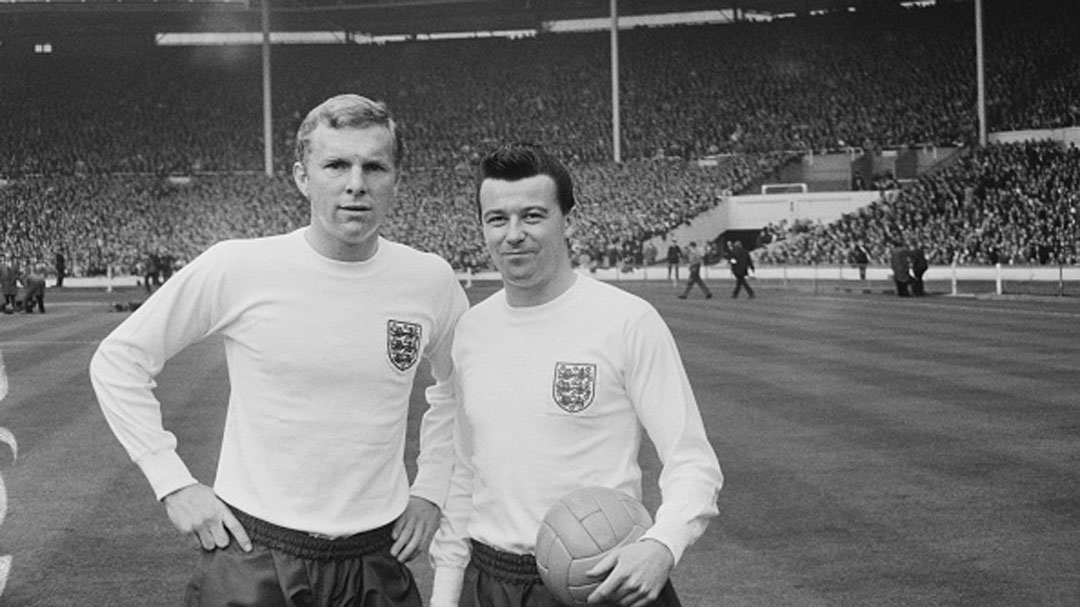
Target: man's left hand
(636, 573)
(414, 529)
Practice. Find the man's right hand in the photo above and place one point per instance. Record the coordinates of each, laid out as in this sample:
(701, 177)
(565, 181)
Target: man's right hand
(197, 511)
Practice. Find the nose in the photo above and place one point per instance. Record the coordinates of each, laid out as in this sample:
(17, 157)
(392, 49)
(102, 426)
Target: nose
(515, 231)
(355, 184)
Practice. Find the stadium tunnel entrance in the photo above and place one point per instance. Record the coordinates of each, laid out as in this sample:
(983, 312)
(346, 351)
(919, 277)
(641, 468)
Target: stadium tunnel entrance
(750, 239)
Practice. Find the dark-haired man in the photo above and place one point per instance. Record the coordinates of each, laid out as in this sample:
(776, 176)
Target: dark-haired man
(741, 266)
(560, 374)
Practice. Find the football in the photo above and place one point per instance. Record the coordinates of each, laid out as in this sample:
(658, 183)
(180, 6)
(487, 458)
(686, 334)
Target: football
(578, 531)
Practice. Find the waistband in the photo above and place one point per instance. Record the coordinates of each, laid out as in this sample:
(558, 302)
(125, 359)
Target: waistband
(506, 567)
(314, 547)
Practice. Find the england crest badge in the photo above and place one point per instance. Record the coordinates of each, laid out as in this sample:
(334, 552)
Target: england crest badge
(403, 343)
(574, 386)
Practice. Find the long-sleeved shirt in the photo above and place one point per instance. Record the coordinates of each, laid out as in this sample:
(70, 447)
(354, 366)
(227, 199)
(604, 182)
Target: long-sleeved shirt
(321, 357)
(556, 397)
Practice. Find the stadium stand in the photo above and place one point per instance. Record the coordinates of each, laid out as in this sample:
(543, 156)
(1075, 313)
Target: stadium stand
(1007, 203)
(107, 160)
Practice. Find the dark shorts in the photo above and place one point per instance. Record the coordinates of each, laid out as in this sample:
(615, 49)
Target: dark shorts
(495, 578)
(288, 568)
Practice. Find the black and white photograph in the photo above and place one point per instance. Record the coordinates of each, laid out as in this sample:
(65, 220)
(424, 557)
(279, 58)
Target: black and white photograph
(540, 303)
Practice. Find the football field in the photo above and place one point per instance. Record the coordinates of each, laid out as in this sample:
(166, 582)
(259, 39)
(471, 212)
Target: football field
(876, 450)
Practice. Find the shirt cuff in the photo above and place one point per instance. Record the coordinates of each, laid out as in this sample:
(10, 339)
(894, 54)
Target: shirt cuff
(673, 544)
(432, 484)
(446, 586)
(165, 471)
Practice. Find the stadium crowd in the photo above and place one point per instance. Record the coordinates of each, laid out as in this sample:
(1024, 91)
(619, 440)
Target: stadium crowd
(108, 161)
(107, 220)
(1003, 203)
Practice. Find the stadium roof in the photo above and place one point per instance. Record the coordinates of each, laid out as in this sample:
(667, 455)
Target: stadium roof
(24, 18)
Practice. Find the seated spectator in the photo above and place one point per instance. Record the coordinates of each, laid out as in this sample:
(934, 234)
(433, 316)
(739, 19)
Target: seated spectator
(1008, 203)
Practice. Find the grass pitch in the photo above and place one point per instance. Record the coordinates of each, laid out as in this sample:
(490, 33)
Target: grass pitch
(877, 451)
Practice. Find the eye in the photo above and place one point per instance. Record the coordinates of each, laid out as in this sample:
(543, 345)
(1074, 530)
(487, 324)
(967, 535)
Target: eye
(375, 167)
(535, 216)
(495, 220)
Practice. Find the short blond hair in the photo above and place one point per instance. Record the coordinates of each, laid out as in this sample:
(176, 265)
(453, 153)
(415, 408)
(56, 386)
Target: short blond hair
(348, 111)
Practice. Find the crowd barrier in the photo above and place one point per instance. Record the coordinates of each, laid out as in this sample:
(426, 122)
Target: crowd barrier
(951, 280)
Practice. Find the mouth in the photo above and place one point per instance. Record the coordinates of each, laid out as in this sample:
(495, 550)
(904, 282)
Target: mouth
(355, 208)
(516, 254)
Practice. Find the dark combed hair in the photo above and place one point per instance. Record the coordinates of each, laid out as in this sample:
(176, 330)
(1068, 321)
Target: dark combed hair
(521, 160)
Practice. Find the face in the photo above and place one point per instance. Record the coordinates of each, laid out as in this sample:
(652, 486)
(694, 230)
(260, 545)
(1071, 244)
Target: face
(525, 231)
(350, 179)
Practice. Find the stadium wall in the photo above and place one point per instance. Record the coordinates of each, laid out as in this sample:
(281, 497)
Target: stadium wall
(755, 211)
(836, 171)
(1067, 136)
(821, 172)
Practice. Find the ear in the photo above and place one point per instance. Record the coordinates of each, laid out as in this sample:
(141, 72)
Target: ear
(300, 177)
(570, 232)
